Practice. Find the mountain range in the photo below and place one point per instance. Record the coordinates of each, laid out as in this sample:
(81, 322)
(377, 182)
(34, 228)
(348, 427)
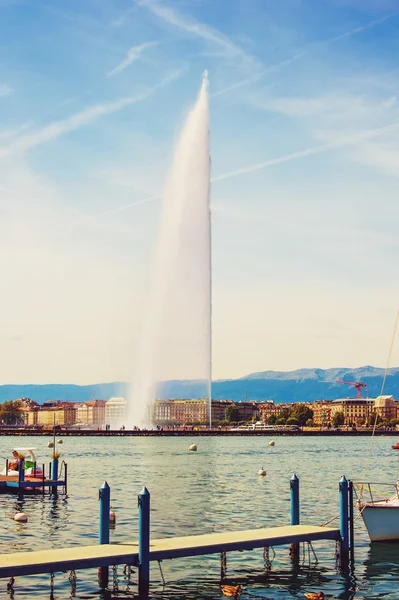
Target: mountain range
(281, 386)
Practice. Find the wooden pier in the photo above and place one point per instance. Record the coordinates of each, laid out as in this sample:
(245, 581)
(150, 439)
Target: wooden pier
(142, 552)
(67, 559)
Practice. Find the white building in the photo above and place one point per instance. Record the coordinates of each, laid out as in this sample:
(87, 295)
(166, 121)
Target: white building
(115, 412)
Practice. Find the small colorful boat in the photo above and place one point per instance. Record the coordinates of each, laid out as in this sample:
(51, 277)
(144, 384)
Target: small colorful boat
(30, 467)
(396, 446)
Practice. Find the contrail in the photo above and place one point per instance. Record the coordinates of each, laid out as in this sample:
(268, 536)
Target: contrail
(306, 50)
(308, 152)
(111, 211)
(367, 135)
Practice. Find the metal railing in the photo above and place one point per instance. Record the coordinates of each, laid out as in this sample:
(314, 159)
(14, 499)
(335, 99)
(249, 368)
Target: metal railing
(361, 486)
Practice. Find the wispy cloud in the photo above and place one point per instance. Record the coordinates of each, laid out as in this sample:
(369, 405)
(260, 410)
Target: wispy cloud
(192, 27)
(10, 133)
(123, 17)
(349, 140)
(132, 55)
(81, 119)
(257, 76)
(5, 89)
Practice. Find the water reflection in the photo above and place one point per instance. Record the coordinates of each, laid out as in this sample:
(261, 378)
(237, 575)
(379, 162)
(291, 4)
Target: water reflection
(214, 489)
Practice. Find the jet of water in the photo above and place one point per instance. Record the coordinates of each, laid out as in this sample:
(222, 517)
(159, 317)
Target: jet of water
(177, 342)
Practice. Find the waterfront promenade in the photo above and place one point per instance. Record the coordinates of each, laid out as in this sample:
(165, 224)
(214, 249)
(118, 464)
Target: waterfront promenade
(306, 432)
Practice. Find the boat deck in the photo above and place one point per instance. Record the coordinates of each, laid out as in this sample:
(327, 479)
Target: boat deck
(83, 557)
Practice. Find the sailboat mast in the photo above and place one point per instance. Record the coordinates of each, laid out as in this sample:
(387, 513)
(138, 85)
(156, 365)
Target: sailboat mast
(210, 302)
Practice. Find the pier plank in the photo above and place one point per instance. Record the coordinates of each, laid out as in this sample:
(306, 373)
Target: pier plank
(176, 547)
(83, 557)
(65, 559)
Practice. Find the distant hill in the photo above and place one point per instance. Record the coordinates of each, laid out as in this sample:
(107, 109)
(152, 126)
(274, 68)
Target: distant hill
(281, 386)
(58, 391)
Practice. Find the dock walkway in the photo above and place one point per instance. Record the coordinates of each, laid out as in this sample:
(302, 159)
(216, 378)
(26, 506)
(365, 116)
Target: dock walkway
(84, 557)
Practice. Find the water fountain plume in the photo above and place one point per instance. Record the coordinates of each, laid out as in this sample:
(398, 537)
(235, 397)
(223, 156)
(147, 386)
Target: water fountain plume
(177, 341)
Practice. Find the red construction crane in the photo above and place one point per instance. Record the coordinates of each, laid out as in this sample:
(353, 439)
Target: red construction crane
(357, 385)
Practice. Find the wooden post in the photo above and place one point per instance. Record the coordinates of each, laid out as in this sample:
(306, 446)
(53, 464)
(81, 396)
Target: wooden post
(344, 521)
(294, 513)
(104, 496)
(144, 542)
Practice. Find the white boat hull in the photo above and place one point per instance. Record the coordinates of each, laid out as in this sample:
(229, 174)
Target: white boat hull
(381, 520)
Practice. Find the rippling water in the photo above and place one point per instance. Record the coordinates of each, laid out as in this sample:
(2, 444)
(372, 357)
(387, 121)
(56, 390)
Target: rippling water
(199, 492)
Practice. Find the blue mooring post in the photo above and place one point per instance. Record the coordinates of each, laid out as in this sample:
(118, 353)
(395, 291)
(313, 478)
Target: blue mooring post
(21, 472)
(54, 475)
(144, 542)
(294, 514)
(104, 496)
(344, 521)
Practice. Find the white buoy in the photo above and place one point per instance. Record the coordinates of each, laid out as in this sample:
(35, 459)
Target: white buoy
(112, 517)
(262, 472)
(59, 441)
(193, 447)
(20, 517)
(50, 445)
(271, 442)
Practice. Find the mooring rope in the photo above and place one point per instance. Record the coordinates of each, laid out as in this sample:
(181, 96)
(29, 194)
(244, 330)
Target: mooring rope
(160, 569)
(330, 521)
(382, 390)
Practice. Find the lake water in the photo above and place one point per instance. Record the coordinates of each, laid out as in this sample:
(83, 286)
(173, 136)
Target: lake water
(211, 490)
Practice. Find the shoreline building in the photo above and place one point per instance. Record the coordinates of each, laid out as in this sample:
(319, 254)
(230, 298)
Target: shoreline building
(353, 409)
(115, 411)
(91, 413)
(187, 411)
(62, 413)
(386, 407)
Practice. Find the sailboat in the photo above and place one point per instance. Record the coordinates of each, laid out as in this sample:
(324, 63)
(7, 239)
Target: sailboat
(380, 516)
(380, 508)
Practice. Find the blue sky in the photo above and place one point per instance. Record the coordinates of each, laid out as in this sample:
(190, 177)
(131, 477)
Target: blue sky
(305, 164)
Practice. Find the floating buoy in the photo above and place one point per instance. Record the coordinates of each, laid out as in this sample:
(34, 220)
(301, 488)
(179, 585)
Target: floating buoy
(193, 447)
(50, 445)
(112, 517)
(59, 441)
(20, 517)
(271, 442)
(262, 472)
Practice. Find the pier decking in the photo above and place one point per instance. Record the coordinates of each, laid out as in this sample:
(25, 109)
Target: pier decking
(65, 559)
(14, 482)
(146, 550)
(36, 481)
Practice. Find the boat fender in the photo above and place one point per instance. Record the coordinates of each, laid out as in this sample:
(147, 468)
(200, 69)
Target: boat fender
(20, 517)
